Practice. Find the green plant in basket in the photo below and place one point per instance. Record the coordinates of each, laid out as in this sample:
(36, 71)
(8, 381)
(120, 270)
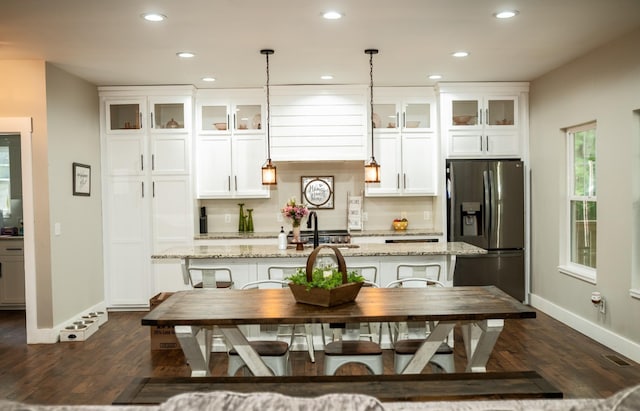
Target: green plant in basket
(323, 277)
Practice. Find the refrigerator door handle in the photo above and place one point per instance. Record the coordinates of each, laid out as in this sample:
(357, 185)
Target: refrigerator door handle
(493, 212)
(486, 214)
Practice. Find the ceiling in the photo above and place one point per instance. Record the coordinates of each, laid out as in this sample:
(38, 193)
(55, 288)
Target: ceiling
(107, 42)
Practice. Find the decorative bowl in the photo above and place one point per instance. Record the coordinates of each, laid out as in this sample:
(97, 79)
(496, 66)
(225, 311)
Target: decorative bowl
(412, 124)
(220, 126)
(400, 225)
(461, 120)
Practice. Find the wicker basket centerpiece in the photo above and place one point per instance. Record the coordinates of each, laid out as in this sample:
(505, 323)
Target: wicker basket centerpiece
(326, 287)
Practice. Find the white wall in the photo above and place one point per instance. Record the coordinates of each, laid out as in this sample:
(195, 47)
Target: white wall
(73, 120)
(604, 86)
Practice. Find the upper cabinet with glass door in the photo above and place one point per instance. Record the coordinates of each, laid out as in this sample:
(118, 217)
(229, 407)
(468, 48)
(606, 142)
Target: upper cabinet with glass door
(125, 115)
(405, 109)
(484, 119)
(223, 112)
(170, 114)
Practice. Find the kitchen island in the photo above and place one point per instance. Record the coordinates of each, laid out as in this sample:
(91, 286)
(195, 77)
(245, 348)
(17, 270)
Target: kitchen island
(251, 262)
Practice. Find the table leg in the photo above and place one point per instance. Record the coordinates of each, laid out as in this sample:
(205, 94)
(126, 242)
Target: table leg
(196, 345)
(479, 347)
(310, 347)
(236, 338)
(429, 347)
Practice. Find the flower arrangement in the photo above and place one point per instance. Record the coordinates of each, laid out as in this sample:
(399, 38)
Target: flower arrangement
(323, 277)
(295, 212)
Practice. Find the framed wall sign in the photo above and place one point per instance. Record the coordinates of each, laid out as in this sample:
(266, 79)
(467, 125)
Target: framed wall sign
(317, 192)
(81, 179)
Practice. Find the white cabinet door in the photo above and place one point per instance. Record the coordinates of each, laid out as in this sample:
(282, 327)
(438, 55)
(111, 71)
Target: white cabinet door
(419, 164)
(127, 258)
(170, 154)
(12, 281)
(387, 150)
(213, 167)
(125, 115)
(126, 154)
(249, 154)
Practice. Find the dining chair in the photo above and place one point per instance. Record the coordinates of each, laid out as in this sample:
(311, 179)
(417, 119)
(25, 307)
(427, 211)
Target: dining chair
(294, 331)
(274, 353)
(408, 337)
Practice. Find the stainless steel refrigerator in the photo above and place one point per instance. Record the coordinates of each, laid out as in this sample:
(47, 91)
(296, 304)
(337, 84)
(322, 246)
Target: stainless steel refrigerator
(485, 200)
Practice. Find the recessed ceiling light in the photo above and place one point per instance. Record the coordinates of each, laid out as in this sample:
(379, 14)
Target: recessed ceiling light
(505, 14)
(154, 17)
(185, 54)
(332, 15)
(208, 79)
(435, 77)
(460, 54)
(327, 77)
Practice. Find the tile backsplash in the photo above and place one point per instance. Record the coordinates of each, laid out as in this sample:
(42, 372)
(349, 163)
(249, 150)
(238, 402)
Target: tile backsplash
(348, 178)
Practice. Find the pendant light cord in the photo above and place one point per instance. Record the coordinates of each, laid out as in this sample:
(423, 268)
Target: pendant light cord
(268, 113)
(371, 99)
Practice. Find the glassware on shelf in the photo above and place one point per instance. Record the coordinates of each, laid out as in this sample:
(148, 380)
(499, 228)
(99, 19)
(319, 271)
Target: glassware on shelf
(241, 218)
(249, 226)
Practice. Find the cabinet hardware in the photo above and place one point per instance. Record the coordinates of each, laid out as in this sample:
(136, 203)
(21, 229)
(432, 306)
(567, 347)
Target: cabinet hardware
(479, 116)
(486, 115)
(398, 181)
(141, 162)
(235, 181)
(153, 162)
(487, 137)
(229, 182)
(480, 143)
(13, 249)
(140, 119)
(0, 270)
(235, 127)
(152, 120)
(397, 120)
(404, 119)
(142, 189)
(404, 180)
(153, 189)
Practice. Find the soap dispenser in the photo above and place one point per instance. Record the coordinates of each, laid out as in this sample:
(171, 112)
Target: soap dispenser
(282, 239)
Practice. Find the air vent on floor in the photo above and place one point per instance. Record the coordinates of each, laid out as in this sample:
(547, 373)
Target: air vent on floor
(616, 360)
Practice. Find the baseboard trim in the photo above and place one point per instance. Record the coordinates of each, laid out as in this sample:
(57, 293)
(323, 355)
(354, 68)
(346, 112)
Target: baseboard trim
(52, 335)
(616, 342)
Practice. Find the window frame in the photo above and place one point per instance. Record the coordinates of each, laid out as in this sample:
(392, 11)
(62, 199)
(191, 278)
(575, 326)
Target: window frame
(567, 266)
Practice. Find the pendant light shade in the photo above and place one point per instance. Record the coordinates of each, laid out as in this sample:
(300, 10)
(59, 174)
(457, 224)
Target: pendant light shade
(269, 176)
(372, 169)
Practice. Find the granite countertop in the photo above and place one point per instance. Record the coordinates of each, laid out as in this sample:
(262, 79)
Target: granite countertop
(361, 250)
(367, 233)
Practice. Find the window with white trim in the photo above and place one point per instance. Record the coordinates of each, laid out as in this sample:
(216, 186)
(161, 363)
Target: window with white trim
(581, 202)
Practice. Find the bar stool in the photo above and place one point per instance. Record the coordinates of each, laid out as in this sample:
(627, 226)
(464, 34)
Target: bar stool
(293, 330)
(210, 277)
(275, 354)
(429, 271)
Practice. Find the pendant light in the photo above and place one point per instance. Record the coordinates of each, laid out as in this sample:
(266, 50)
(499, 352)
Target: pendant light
(372, 169)
(268, 169)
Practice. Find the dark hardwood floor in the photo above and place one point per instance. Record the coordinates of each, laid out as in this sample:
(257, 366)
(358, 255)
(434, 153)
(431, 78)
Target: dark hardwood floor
(98, 370)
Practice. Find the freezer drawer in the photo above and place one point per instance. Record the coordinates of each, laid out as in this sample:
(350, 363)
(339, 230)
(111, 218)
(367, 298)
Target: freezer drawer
(504, 269)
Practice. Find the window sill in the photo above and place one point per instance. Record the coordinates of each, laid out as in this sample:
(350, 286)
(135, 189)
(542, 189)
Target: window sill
(635, 293)
(586, 275)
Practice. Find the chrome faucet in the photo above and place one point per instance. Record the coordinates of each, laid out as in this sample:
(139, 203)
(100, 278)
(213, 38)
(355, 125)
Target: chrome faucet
(315, 227)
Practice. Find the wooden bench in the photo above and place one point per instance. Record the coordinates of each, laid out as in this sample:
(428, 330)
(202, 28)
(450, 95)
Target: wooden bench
(393, 387)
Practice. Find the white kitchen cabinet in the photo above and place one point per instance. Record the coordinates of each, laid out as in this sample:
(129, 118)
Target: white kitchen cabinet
(484, 119)
(12, 292)
(405, 142)
(230, 146)
(146, 142)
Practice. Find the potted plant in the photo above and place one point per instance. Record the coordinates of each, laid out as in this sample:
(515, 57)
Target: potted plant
(325, 286)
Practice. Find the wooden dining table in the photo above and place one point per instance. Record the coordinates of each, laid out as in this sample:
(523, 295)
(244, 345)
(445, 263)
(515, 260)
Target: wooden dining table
(480, 311)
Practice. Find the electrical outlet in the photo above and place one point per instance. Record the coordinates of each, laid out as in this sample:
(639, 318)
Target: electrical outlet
(427, 215)
(279, 217)
(227, 218)
(365, 216)
(403, 214)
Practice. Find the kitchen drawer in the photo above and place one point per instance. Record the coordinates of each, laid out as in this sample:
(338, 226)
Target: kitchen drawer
(12, 247)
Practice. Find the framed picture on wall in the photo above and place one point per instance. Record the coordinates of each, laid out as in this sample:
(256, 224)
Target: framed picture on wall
(317, 192)
(81, 179)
